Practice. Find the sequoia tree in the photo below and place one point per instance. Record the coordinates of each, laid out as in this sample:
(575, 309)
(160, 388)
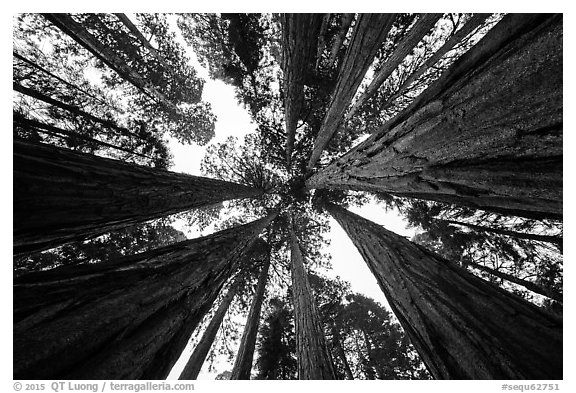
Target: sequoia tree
(128, 318)
(487, 134)
(314, 360)
(61, 195)
(243, 363)
(462, 326)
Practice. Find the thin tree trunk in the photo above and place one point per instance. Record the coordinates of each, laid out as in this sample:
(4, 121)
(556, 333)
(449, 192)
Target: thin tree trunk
(76, 87)
(337, 342)
(243, 364)
(370, 356)
(345, 22)
(369, 33)
(462, 326)
(322, 40)
(417, 32)
(472, 24)
(314, 361)
(134, 30)
(504, 98)
(37, 126)
(556, 240)
(194, 364)
(62, 196)
(125, 319)
(526, 284)
(299, 46)
(78, 33)
(71, 108)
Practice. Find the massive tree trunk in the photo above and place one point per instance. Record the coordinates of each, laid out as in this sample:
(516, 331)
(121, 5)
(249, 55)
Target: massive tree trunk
(124, 319)
(243, 364)
(488, 134)
(314, 361)
(62, 196)
(462, 326)
(556, 240)
(83, 37)
(299, 46)
(526, 284)
(369, 33)
(194, 364)
(134, 30)
(472, 24)
(417, 32)
(337, 343)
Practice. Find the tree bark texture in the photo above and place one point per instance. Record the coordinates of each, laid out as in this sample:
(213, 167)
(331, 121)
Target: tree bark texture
(369, 33)
(462, 326)
(531, 286)
(471, 25)
(78, 33)
(243, 364)
(194, 364)
(62, 196)
(299, 46)
(125, 319)
(417, 32)
(488, 134)
(314, 360)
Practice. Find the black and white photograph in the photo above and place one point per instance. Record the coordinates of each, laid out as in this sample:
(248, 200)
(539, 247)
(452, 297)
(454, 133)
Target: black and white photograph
(286, 196)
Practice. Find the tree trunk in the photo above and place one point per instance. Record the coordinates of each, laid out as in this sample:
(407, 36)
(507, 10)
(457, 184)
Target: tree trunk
(33, 125)
(314, 361)
(556, 240)
(345, 22)
(71, 108)
(78, 33)
(462, 326)
(321, 40)
(526, 284)
(194, 364)
(62, 196)
(417, 32)
(299, 46)
(472, 24)
(369, 33)
(337, 342)
(134, 30)
(504, 98)
(243, 363)
(125, 319)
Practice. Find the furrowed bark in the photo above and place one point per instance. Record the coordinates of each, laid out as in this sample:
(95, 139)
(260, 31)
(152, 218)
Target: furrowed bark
(470, 26)
(299, 46)
(419, 30)
(488, 134)
(125, 319)
(531, 286)
(136, 32)
(462, 326)
(78, 33)
(314, 361)
(556, 240)
(62, 196)
(194, 364)
(369, 33)
(243, 364)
